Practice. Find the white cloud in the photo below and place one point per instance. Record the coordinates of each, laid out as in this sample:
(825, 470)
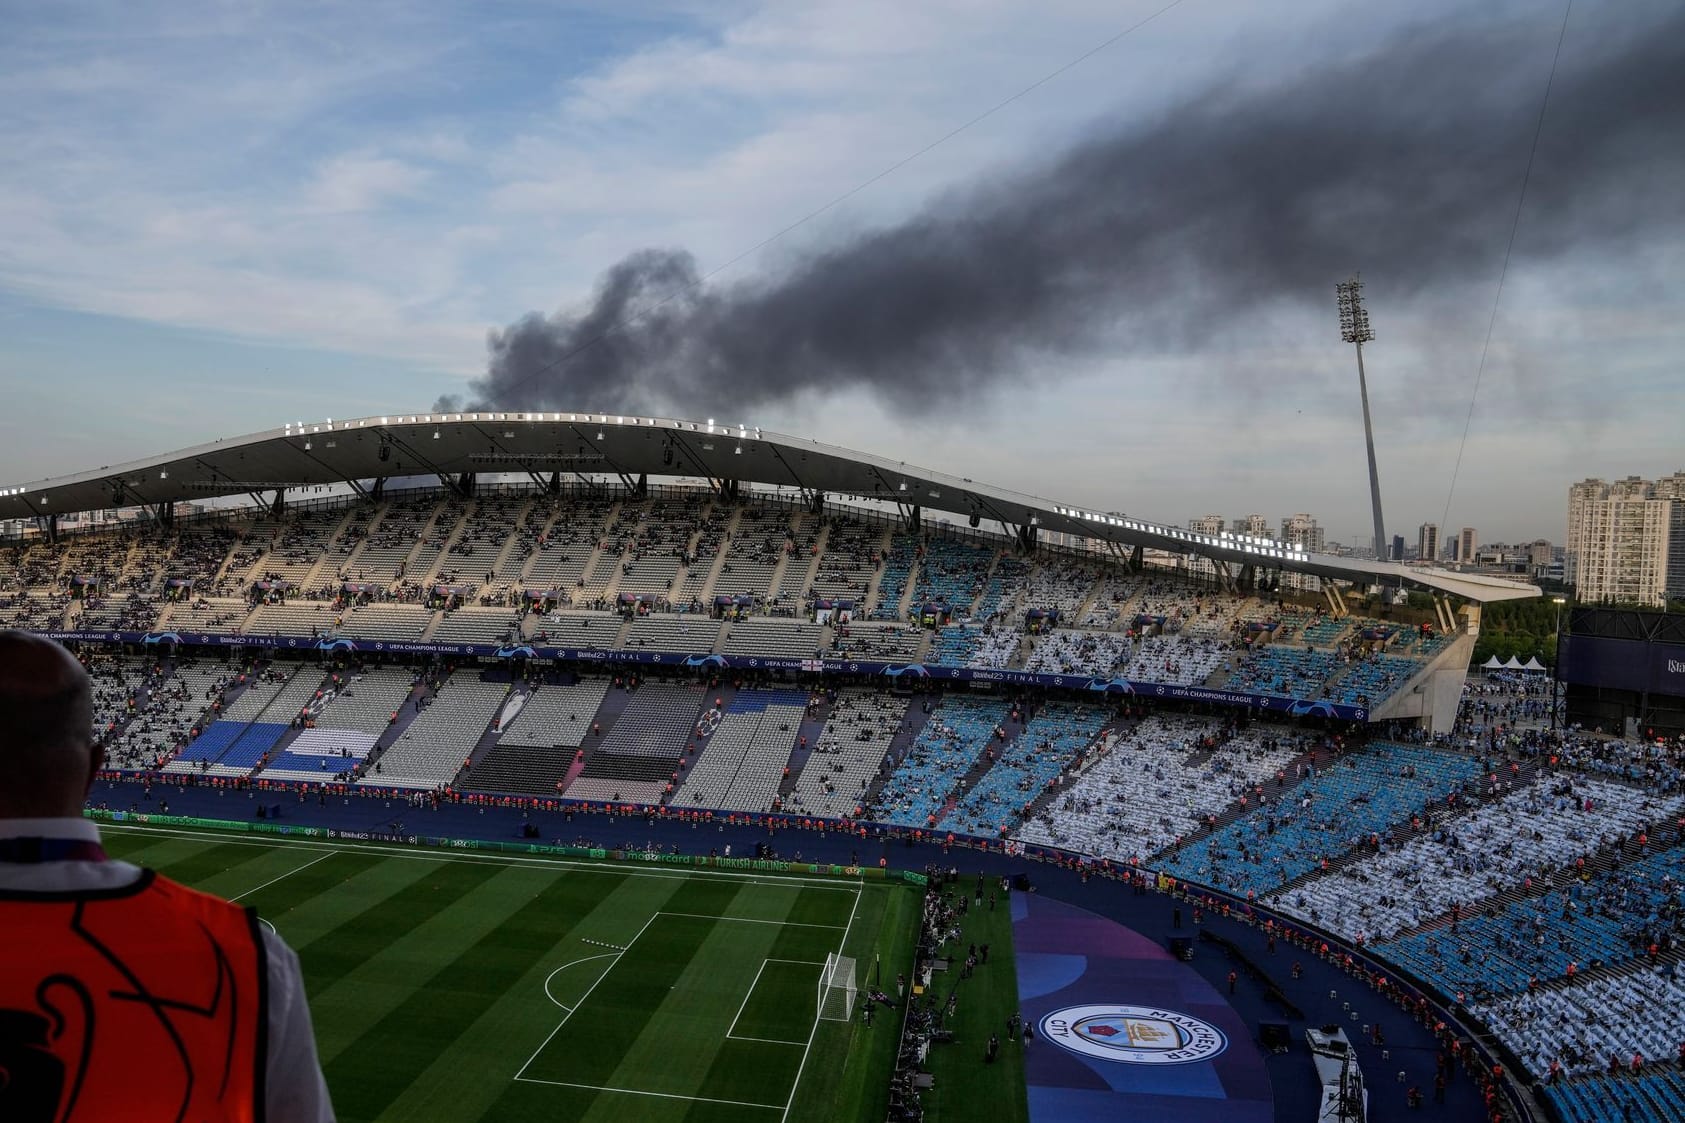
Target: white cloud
(362, 182)
(390, 179)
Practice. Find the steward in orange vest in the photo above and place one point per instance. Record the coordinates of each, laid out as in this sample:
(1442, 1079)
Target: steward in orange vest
(146, 1002)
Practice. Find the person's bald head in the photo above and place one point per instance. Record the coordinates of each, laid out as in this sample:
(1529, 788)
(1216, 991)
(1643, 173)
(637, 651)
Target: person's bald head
(47, 756)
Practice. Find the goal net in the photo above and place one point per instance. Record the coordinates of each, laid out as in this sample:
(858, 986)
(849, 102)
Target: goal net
(837, 989)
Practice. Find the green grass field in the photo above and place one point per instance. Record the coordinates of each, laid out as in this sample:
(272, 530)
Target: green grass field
(462, 986)
(966, 1088)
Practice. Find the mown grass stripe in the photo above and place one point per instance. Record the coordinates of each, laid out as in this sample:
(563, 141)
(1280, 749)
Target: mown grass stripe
(443, 1005)
(376, 965)
(511, 1026)
(965, 1087)
(679, 1033)
(857, 1088)
(430, 1011)
(159, 852)
(821, 906)
(589, 1046)
(373, 930)
(773, 1010)
(349, 892)
(195, 863)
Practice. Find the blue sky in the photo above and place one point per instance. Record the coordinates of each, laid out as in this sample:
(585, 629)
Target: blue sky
(218, 216)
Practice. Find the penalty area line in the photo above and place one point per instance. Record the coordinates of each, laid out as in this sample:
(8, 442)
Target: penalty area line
(542, 1045)
(842, 946)
(638, 1092)
(574, 963)
(284, 876)
(750, 993)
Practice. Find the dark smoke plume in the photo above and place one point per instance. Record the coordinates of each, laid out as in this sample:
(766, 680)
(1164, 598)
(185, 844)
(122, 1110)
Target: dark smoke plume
(1406, 163)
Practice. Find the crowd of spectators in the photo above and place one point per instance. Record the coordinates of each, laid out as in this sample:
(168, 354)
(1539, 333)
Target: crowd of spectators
(1511, 837)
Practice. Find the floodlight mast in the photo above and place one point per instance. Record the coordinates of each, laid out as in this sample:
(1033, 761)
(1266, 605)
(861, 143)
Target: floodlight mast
(1354, 329)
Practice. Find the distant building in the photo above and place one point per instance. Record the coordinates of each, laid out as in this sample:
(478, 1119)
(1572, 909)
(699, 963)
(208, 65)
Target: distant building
(1398, 547)
(1467, 542)
(1626, 540)
(1302, 530)
(1199, 565)
(1256, 525)
(1427, 542)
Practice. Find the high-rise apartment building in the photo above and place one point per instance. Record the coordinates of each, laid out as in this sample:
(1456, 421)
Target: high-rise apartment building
(1467, 542)
(1302, 530)
(1256, 525)
(1626, 540)
(1199, 566)
(1427, 542)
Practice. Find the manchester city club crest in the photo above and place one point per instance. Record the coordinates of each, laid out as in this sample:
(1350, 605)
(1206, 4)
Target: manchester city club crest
(1142, 1035)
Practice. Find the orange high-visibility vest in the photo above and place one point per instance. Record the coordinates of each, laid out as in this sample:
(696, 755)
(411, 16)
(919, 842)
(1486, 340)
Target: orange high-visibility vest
(144, 1002)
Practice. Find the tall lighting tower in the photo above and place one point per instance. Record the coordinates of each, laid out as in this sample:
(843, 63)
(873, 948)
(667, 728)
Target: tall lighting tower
(1354, 329)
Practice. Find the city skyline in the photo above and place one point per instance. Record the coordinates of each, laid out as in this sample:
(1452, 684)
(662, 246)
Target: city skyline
(219, 220)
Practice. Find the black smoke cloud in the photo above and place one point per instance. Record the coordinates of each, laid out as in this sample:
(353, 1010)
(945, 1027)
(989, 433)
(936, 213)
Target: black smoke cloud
(1146, 238)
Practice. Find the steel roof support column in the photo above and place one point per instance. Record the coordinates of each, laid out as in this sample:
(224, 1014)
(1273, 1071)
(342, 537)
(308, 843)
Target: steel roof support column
(1225, 576)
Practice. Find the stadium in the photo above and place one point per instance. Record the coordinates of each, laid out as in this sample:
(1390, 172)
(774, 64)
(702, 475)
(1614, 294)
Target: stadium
(615, 767)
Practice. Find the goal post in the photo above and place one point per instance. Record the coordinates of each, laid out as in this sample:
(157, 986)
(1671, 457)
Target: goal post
(837, 989)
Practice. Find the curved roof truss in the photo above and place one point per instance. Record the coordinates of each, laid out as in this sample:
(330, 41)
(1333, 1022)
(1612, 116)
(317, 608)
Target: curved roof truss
(304, 454)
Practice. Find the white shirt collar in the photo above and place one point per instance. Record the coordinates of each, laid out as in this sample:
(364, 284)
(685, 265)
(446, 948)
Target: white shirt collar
(75, 829)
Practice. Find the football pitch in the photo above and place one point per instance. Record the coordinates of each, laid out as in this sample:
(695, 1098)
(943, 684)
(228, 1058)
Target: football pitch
(467, 986)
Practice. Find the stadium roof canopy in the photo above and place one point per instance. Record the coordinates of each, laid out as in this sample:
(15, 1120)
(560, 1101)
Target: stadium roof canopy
(305, 454)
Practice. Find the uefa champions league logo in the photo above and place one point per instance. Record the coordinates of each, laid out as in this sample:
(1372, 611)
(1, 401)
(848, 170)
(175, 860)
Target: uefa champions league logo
(1139, 1035)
